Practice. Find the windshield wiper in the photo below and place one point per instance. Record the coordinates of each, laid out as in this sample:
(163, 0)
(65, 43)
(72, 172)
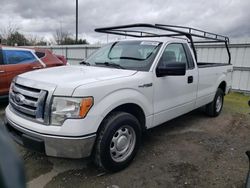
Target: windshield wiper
(108, 64)
(130, 58)
(83, 62)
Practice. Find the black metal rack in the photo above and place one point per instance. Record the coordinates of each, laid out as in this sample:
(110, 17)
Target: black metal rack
(168, 31)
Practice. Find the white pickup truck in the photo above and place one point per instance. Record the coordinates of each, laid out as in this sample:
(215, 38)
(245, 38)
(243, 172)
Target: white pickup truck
(102, 107)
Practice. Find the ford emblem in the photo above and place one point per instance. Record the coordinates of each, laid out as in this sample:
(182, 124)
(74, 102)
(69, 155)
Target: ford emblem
(19, 99)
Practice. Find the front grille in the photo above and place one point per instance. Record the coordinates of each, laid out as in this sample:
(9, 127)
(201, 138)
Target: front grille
(28, 101)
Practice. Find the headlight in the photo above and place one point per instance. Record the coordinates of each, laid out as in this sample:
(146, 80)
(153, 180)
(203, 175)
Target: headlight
(69, 108)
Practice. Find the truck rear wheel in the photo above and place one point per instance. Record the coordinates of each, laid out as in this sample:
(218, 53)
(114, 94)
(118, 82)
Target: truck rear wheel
(118, 141)
(214, 108)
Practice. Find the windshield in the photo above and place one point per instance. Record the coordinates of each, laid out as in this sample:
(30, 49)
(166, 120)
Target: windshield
(133, 55)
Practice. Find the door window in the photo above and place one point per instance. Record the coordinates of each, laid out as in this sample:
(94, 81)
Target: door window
(173, 53)
(18, 57)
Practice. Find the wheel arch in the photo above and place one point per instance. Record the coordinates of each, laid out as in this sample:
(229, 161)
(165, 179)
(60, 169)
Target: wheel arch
(223, 86)
(131, 108)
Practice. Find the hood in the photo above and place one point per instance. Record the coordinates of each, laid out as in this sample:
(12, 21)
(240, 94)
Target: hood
(67, 78)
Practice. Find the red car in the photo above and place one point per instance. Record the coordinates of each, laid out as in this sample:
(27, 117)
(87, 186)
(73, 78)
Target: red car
(15, 60)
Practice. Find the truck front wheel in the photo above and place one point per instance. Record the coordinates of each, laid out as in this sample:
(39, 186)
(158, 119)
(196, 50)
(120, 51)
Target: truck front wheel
(214, 108)
(117, 141)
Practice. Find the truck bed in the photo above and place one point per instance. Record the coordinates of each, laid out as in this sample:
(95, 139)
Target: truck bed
(205, 65)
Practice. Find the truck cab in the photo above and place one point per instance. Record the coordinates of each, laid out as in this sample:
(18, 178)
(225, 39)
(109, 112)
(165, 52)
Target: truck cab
(102, 107)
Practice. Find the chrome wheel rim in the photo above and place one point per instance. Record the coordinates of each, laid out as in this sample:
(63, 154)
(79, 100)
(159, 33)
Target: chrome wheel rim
(122, 143)
(218, 104)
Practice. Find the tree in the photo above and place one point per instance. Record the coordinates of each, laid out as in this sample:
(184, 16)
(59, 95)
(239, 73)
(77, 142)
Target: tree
(17, 38)
(34, 40)
(82, 41)
(10, 35)
(41, 43)
(65, 38)
(6, 33)
(60, 36)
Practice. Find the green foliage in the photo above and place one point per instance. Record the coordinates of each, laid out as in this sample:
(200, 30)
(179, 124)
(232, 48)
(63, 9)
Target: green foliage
(70, 41)
(17, 38)
(65, 38)
(41, 43)
(11, 36)
(82, 41)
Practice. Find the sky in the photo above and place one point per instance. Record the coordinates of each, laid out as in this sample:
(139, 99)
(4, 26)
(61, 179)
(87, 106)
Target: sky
(43, 17)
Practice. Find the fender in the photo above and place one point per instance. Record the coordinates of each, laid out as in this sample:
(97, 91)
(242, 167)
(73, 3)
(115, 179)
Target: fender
(123, 96)
(119, 97)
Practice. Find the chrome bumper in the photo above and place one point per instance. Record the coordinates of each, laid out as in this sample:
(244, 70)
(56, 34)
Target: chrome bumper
(51, 145)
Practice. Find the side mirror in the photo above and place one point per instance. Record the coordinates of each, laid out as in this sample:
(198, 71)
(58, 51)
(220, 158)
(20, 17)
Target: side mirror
(171, 69)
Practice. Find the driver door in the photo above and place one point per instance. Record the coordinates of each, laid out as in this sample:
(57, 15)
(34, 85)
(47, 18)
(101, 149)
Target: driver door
(175, 95)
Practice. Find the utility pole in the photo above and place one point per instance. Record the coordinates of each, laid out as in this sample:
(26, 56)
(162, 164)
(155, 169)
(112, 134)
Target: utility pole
(76, 21)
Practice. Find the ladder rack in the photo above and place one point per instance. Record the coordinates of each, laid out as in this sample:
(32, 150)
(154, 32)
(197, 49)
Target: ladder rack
(138, 30)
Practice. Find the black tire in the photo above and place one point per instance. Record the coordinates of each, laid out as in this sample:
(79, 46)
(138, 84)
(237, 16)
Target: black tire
(117, 125)
(212, 109)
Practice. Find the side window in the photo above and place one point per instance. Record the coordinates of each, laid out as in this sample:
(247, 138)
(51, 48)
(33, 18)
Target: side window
(40, 54)
(173, 53)
(17, 57)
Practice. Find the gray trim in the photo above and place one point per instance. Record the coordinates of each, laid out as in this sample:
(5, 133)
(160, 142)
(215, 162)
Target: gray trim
(223, 46)
(75, 59)
(60, 146)
(72, 47)
(241, 68)
(50, 88)
(241, 91)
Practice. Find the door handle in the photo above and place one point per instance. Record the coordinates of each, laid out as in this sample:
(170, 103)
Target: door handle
(2, 71)
(190, 79)
(38, 67)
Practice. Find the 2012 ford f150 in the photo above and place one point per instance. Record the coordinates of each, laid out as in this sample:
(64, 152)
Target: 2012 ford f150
(102, 107)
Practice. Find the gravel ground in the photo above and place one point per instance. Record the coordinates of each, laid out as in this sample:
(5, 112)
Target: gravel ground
(190, 151)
